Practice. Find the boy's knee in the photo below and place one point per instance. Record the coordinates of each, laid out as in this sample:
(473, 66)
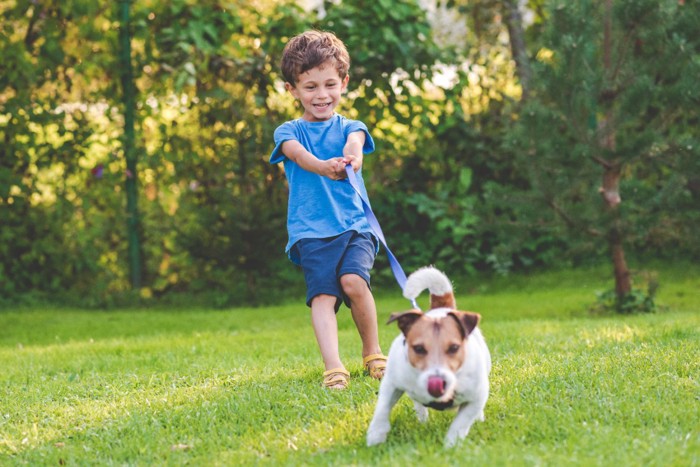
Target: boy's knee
(353, 285)
(323, 300)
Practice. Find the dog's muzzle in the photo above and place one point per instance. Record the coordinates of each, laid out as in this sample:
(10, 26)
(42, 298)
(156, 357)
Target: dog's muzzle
(436, 388)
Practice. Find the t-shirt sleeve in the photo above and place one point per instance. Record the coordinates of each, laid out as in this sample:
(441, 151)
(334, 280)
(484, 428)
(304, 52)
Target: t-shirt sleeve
(284, 132)
(356, 125)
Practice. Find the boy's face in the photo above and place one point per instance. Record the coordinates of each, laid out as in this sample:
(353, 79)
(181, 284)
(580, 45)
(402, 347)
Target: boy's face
(319, 91)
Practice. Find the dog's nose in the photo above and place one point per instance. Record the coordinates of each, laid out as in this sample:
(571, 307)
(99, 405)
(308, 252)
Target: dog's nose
(436, 386)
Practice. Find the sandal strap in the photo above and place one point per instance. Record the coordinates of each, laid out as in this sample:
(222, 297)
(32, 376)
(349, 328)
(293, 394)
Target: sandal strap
(333, 371)
(336, 377)
(375, 356)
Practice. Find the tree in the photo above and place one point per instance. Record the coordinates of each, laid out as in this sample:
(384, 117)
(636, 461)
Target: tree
(611, 90)
(464, 174)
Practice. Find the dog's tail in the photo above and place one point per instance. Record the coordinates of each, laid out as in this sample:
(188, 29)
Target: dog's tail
(440, 287)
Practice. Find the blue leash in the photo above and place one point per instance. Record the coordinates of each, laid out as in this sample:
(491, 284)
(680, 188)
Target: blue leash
(374, 224)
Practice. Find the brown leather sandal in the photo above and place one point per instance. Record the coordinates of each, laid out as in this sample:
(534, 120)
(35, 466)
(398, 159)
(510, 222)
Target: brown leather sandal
(375, 365)
(337, 378)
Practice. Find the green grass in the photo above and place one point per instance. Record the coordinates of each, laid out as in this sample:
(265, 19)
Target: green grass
(241, 386)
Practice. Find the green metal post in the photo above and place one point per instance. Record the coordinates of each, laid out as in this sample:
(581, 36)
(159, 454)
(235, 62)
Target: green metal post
(133, 221)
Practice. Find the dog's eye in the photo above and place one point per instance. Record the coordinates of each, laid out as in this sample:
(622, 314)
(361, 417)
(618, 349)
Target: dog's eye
(420, 350)
(453, 349)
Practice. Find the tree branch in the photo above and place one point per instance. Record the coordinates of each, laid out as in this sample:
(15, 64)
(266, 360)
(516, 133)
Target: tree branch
(569, 221)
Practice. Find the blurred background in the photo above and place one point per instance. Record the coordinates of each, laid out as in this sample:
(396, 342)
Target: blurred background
(512, 135)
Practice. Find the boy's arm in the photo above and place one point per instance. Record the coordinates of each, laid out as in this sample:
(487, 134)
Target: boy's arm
(331, 168)
(352, 152)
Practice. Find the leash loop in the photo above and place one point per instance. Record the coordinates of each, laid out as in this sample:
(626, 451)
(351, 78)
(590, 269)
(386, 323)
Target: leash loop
(396, 268)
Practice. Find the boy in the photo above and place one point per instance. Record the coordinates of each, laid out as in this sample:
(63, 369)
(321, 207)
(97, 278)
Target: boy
(329, 236)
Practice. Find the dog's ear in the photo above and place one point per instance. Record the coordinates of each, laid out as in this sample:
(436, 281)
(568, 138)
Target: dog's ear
(467, 321)
(406, 319)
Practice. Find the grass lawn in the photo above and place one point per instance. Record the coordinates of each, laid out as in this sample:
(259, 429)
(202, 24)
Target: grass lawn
(241, 386)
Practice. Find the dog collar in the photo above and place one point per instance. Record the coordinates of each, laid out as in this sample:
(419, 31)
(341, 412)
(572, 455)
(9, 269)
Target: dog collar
(440, 405)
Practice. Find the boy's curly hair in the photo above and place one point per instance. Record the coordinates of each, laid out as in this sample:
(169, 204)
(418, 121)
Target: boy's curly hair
(311, 49)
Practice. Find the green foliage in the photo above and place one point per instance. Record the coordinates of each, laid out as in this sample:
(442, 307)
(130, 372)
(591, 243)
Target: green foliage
(228, 204)
(464, 176)
(392, 53)
(633, 89)
(430, 210)
(637, 301)
(50, 140)
(204, 121)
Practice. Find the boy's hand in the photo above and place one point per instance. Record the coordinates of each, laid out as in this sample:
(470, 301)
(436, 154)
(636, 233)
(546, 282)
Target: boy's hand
(355, 161)
(333, 168)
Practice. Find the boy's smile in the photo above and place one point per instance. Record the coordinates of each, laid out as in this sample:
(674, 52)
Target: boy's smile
(319, 90)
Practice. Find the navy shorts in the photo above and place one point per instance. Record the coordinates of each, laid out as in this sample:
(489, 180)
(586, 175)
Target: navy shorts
(325, 260)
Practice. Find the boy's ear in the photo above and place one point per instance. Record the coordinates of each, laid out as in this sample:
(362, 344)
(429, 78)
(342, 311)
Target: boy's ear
(345, 83)
(291, 88)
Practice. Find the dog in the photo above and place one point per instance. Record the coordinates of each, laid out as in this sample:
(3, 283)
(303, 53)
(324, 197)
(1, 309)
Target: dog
(440, 360)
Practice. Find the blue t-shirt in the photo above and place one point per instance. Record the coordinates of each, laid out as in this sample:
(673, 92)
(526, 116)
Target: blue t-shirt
(318, 206)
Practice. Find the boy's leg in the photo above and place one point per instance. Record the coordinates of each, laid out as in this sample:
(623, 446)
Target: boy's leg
(325, 327)
(319, 258)
(364, 312)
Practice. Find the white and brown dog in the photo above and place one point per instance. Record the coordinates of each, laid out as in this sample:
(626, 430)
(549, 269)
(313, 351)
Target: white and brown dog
(440, 360)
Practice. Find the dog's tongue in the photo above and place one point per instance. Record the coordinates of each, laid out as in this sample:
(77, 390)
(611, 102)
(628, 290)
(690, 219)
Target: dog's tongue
(436, 386)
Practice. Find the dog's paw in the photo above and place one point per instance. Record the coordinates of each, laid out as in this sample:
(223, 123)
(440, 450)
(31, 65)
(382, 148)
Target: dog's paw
(453, 438)
(375, 437)
(377, 431)
(451, 442)
(455, 435)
